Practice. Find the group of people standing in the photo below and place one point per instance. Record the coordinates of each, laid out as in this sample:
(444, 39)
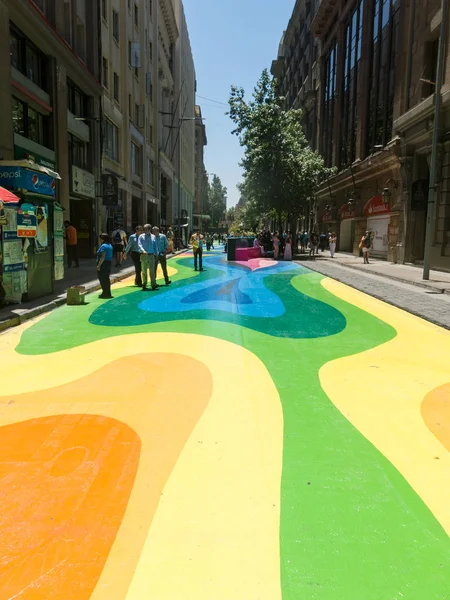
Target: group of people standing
(148, 248)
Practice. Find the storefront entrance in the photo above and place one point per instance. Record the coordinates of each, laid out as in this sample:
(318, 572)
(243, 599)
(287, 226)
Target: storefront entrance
(345, 242)
(82, 218)
(379, 226)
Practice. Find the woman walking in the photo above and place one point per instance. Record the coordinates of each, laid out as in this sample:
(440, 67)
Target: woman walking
(366, 246)
(104, 258)
(332, 242)
(276, 245)
(288, 246)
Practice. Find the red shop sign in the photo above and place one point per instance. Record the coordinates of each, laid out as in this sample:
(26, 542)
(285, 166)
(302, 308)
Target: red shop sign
(375, 206)
(346, 213)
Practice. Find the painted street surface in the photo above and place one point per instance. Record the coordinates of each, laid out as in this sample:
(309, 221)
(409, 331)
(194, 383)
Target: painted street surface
(256, 431)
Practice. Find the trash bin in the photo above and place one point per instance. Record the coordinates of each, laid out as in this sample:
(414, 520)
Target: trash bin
(76, 295)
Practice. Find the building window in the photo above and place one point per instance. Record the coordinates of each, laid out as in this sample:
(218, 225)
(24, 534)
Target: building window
(111, 141)
(76, 100)
(26, 58)
(149, 171)
(352, 61)
(116, 87)
(136, 160)
(329, 104)
(382, 75)
(116, 26)
(136, 15)
(104, 10)
(105, 72)
(150, 50)
(30, 123)
(77, 152)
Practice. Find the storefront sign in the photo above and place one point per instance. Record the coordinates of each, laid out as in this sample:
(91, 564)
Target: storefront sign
(18, 178)
(110, 190)
(23, 154)
(376, 206)
(26, 221)
(346, 213)
(118, 220)
(83, 182)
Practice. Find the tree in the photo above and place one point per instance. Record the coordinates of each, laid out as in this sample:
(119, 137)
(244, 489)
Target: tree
(281, 171)
(217, 200)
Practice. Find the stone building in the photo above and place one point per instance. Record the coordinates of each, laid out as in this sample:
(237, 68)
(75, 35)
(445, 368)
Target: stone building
(50, 98)
(201, 176)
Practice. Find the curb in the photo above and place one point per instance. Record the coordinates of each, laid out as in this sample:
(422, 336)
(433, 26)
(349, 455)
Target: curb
(62, 300)
(385, 276)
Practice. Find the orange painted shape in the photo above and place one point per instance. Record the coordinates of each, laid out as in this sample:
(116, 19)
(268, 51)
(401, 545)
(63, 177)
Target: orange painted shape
(436, 414)
(65, 482)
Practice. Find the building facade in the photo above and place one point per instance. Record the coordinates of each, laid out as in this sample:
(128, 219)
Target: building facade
(201, 176)
(50, 98)
(375, 94)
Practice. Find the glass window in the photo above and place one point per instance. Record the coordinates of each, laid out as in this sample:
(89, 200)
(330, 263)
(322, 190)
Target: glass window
(149, 171)
(76, 100)
(77, 152)
(136, 160)
(116, 87)
(18, 113)
(15, 51)
(386, 15)
(35, 126)
(352, 60)
(116, 26)
(111, 141)
(136, 15)
(105, 72)
(329, 104)
(26, 58)
(104, 10)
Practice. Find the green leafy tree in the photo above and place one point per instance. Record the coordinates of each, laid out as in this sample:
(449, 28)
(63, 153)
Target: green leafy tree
(281, 171)
(217, 200)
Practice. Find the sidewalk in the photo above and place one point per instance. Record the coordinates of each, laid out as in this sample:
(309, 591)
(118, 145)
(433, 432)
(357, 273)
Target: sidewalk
(15, 314)
(439, 281)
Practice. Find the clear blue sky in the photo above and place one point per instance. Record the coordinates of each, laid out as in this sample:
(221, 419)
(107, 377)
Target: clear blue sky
(232, 43)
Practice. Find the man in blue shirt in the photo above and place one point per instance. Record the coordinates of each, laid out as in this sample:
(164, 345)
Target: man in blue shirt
(162, 246)
(147, 247)
(133, 247)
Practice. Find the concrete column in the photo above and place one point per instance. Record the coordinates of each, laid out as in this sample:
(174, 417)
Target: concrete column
(6, 127)
(364, 81)
(61, 135)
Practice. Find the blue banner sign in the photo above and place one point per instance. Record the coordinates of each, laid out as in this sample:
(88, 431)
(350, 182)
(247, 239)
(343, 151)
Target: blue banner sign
(18, 178)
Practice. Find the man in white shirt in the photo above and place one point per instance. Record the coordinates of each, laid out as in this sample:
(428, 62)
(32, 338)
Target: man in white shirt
(119, 241)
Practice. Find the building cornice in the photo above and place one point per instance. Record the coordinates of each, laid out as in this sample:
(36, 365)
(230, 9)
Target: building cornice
(323, 16)
(170, 20)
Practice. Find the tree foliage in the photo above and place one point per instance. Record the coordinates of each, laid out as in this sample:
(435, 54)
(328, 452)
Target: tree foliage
(217, 200)
(281, 171)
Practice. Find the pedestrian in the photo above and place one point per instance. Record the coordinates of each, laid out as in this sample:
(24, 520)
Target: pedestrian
(332, 243)
(366, 245)
(133, 247)
(169, 236)
(119, 239)
(197, 247)
(208, 242)
(147, 246)
(71, 236)
(313, 243)
(322, 242)
(162, 247)
(104, 258)
(276, 245)
(288, 246)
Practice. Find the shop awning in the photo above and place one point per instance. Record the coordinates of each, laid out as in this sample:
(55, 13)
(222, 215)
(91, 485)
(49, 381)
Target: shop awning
(8, 197)
(31, 165)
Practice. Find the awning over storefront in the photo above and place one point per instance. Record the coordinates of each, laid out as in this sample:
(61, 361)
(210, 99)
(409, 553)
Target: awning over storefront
(31, 165)
(345, 213)
(376, 206)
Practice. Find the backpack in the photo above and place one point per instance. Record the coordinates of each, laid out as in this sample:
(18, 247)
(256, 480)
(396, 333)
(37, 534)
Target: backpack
(117, 237)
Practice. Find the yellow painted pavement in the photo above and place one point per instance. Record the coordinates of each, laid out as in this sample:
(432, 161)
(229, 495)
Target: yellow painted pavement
(381, 392)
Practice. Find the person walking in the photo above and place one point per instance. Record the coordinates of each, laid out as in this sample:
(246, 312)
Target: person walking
(162, 247)
(71, 236)
(322, 241)
(147, 247)
(197, 247)
(119, 239)
(276, 245)
(313, 243)
(104, 259)
(169, 236)
(288, 246)
(133, 247)
(366, 246)
(332, 243)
